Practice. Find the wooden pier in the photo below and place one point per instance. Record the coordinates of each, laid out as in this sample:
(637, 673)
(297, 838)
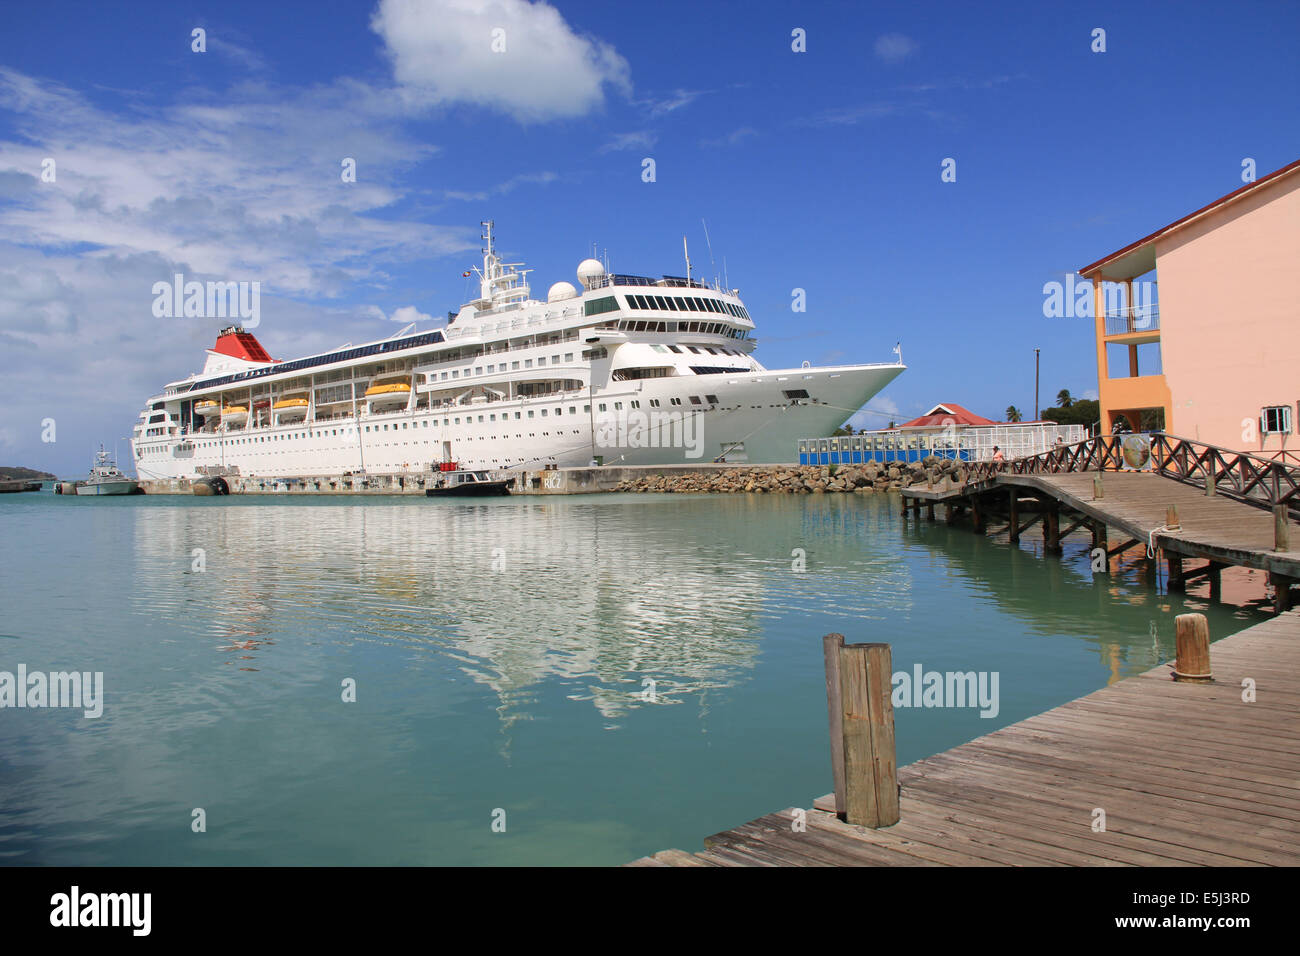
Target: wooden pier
(1177, 773)
(1197, 503)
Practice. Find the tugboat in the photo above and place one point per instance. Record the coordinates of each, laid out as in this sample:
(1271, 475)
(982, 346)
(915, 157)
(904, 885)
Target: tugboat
(452, 481)
(106, 478)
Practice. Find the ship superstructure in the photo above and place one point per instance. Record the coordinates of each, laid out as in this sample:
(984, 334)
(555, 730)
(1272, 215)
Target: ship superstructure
(624, 370)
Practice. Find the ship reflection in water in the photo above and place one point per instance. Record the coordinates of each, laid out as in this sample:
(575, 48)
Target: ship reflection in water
(611, 600)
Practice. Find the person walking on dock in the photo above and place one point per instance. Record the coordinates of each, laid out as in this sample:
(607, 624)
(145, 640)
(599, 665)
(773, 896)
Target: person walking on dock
(997, 454)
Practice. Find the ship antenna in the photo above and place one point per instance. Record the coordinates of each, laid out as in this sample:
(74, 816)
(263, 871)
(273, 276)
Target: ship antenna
(687, 252)
(712, 265)
(489, 254)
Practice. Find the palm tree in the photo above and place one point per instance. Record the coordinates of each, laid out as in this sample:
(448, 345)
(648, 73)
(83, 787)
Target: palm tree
(1064, 399)
(1013, 413)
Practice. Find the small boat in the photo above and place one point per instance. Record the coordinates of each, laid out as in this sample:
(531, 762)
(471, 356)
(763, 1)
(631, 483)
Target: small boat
(234, 414)
(207, 409)
(106, 478)
(468, 484)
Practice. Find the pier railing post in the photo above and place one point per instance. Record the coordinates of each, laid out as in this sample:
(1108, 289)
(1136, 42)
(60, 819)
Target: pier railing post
(1192, 648)
(832, 644)
(1281, 529)
(867, 732)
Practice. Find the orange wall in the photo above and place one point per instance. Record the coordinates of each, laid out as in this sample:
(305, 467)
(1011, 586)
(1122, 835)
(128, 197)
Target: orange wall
(1230, 317)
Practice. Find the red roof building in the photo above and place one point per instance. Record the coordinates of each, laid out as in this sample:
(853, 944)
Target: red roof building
(948, 414)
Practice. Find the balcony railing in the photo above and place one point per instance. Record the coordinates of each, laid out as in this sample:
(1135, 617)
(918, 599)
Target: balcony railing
(1134, 318)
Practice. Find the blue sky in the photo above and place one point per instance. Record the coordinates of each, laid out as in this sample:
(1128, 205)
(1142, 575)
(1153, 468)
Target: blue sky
(817, 170)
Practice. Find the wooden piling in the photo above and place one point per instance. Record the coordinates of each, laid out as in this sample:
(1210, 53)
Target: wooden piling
(1281, 529)
(1176, 582)
(832, 644)
(1193, 649)
(867, 732)
(1099, 538)
(1171, 518)
(1097, 490)
(1281, 592)
(1014, 511)
(1052, 531)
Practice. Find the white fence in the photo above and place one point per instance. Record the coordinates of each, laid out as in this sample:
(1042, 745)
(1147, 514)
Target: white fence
(1016, 441)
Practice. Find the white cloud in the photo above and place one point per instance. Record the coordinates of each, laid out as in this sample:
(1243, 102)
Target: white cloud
(734, 138)
(249, 190)
(408, 314)
(441, 52)
(218, 43)
(500, 189)
(894, 48)
(642, 139)
(671, 103)
(851, 115)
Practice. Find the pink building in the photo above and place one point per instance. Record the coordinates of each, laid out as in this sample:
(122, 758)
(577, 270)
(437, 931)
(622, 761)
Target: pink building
(1216, 352)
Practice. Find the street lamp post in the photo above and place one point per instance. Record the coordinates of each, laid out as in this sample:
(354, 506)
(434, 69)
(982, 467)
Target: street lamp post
(1036, 351)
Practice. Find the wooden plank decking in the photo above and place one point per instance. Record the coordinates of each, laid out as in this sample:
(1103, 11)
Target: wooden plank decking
(1187, 774)
(1215, 527)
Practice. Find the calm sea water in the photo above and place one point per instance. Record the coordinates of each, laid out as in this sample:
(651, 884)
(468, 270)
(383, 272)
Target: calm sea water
(499, 651)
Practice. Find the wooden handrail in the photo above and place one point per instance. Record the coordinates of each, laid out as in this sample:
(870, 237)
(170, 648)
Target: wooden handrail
(1254, 479)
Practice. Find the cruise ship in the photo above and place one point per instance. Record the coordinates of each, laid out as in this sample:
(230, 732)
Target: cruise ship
(625, 370)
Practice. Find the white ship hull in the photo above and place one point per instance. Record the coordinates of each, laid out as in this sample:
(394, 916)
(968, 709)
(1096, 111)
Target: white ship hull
(631, 371)
(752, 421)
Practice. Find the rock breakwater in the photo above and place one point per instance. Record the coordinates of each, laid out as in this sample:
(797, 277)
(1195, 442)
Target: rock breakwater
(865, 479)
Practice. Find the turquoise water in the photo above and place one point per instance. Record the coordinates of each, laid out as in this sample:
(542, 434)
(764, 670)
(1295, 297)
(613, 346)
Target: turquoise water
(498, 650)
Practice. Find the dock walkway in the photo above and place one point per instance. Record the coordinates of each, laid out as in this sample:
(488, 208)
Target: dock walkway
(1186, 774)
(1220, 530)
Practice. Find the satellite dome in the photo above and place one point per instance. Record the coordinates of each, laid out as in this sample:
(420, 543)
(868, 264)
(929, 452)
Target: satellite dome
(589, 270)
(561, 291)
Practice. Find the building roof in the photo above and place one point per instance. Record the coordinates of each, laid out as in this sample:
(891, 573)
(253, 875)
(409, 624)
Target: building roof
(948, 413)
(1090, 271)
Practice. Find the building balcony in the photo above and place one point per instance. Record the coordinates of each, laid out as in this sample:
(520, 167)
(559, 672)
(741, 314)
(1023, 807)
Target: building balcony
(1139, 321)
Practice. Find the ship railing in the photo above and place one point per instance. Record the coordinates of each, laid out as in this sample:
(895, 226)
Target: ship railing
(622, 279)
